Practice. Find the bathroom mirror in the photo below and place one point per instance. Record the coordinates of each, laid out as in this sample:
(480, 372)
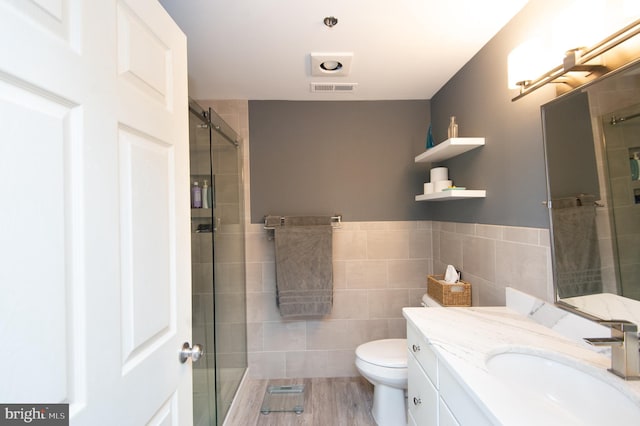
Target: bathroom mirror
(592, 153)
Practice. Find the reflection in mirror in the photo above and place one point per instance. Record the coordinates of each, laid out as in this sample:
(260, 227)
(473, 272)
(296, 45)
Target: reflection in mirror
(622, 143)
(574, 194)
(592, 152)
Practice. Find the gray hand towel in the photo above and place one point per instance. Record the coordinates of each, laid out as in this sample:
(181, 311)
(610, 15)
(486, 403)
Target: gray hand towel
(304, 267)
(576, 249)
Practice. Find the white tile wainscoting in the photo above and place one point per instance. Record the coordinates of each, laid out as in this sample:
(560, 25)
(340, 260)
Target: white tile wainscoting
(379, 268)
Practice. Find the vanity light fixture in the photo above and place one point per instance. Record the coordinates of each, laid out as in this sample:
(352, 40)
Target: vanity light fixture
(587, 60)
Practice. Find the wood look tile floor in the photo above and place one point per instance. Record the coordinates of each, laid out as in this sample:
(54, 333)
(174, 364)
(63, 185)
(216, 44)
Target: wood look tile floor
(343, 401)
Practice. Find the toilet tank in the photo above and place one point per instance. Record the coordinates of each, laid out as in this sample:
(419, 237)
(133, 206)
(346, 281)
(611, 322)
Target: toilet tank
(428, 302)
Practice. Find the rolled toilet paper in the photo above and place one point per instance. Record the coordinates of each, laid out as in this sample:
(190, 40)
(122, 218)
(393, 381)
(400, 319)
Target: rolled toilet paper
(429, 187)
(443, 184)
(439, 173)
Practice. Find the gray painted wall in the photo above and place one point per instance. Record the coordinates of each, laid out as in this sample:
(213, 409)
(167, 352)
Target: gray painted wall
(570, 152)
(354, 158)
(511, 164)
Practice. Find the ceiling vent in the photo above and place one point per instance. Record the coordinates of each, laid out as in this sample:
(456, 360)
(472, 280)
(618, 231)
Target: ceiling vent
(333, 87)
(331, 64)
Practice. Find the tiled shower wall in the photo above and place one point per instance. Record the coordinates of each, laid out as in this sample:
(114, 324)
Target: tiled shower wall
(620, 142)
(379, 267)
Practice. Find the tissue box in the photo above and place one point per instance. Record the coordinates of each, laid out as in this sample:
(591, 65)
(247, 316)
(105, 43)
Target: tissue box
(458, 294)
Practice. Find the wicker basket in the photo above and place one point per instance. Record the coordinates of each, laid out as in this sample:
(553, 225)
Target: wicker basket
(458, 294)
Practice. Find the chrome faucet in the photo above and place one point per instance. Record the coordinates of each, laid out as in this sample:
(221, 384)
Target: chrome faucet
(625, 352)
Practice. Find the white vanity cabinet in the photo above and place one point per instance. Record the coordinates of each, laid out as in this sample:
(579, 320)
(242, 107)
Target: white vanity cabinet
(422, 397)
(445, 416)
(435, 397)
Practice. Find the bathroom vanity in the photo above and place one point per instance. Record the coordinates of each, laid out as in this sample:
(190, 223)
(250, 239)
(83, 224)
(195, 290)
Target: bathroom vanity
(494, 365)
(433, 391)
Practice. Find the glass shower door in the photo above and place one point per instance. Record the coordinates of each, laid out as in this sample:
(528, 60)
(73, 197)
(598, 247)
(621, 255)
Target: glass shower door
(218, 265)
(229, 265)
(204, 399)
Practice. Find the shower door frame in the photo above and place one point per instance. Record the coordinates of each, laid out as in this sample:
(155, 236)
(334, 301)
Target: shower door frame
(223, 394)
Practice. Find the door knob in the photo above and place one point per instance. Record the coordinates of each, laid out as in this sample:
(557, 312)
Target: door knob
(195, 352)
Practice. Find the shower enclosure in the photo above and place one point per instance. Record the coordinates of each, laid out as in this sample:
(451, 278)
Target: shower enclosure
(621, 129)
(218, 264)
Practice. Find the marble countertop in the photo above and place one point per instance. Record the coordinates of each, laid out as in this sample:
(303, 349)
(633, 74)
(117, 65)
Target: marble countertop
(607, 306)
(463, 338)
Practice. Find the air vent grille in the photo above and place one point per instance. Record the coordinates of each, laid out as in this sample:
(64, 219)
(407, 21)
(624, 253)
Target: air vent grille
(333, 87)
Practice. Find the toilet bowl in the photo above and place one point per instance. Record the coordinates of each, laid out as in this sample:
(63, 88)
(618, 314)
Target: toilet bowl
(384, 364)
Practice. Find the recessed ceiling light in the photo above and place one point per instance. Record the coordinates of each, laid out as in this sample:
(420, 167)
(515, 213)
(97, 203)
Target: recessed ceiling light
(331, 64)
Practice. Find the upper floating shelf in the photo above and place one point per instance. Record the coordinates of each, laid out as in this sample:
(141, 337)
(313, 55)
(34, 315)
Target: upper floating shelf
(448, 149)
(456, 194)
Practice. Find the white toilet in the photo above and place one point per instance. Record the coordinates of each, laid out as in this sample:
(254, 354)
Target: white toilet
(384, 364)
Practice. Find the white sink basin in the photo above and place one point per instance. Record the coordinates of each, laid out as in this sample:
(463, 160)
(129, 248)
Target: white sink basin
(562, 393)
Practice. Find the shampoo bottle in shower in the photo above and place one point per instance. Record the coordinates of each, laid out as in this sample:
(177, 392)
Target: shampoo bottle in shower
(205, 195)
(196, 196)
(453, 128)
(210, 194)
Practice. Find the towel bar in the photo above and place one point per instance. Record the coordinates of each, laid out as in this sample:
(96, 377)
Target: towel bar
(336, 222)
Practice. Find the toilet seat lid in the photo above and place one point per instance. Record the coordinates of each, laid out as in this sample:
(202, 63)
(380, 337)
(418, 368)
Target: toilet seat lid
(390, 353)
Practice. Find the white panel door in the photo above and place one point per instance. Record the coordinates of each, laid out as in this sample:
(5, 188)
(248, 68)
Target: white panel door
(95, 293)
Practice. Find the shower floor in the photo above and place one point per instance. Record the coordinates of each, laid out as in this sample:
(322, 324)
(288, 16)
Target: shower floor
(342, 401)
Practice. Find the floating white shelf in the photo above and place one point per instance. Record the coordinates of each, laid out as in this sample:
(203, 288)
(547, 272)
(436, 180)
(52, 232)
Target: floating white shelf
(443, 151)
(456, 194)
(448, 149)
